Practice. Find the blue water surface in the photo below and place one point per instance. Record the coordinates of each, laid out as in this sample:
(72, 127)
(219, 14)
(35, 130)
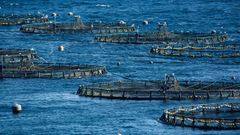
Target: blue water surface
(50, 105)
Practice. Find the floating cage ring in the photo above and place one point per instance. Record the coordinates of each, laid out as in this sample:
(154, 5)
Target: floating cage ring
(208, 116)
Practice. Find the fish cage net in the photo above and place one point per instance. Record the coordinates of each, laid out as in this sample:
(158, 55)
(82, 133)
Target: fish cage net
(76, 27)
(52, 70)
(15, 57)
(218, 51)
(158, 38)
(207, 116)
(162, 36)
(161, 90)
(6, 20)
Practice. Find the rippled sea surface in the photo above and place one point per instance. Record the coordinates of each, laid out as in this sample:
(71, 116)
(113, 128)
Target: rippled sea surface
(49, 105)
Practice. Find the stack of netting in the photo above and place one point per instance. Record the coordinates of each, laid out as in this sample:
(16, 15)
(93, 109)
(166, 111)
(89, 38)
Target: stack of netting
(199, 50)
(52, 27)
(6, 20)
(209, 116)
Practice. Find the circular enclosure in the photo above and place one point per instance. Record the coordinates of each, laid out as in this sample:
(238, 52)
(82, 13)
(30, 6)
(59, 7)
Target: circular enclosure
(199, 51)
(163, 36)
(161, 90)
(209, 116)
(76, 27)
(16, 57)
(7, 20)
(53, 70)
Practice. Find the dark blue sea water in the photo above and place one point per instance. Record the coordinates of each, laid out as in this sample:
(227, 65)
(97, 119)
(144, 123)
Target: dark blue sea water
(49, 105)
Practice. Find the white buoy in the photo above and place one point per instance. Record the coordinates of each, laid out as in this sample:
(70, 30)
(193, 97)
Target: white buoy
(54, 14)
(164, 23)
(145, 22)
(16, 108)
(213, 31)
(61, 48)
(233, 78)
(70, 13)
(46, 16)
(122, 22)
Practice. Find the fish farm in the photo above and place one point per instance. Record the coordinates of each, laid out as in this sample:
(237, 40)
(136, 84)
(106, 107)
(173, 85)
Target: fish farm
(207, 116)
(166, 89)
(128, 67)
(77, 27)
(52, 70)
(14, 57)
(8, 20)
(214, 50)
(163, 36)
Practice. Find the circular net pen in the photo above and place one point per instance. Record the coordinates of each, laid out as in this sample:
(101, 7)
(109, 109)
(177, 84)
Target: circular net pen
(76, 27)
(53, 70)
(17, 57)
(161, 90)
(209, 116)
(8, 20)
(163, 36)
(198, 51)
